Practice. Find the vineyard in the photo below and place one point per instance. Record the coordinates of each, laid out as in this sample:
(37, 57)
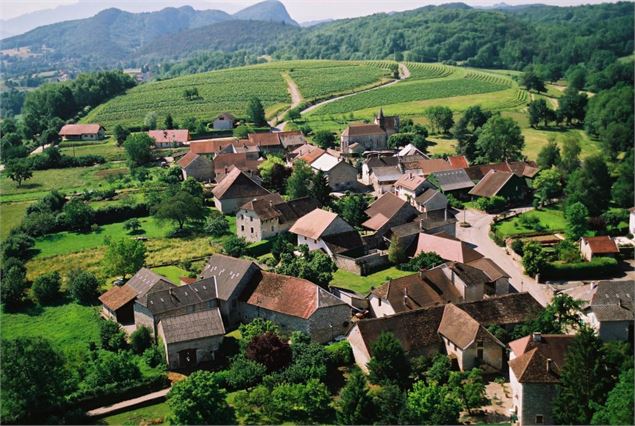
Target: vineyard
(408, 91)
(490, 78)
(424, 71)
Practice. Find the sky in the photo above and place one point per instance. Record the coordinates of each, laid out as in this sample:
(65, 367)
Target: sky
(300, 10)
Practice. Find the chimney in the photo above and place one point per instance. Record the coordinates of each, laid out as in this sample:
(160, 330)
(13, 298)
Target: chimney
(549, 369)
(420, 224)
(270, 203)
(536, 336)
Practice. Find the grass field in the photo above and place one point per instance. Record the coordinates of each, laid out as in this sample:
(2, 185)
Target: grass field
(11, 215)
(173, 273)
(70, 327)
(363, 285)
(109, 150)
(230, 89)
(150, 415)
(551, 219)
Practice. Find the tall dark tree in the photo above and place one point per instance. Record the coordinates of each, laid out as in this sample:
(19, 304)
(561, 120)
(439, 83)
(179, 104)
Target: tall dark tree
(355, 405)
(590, 185)
(297, 186)
(500, 140)
(389, 363)
(120, 133)
(256, 112)
(570, 158)
(622, 189)
(618, 409)
(320, 189)
(572, 105)
(169, 122)
(549, 155)
(532, 81)
(352, 208)
(269, 350)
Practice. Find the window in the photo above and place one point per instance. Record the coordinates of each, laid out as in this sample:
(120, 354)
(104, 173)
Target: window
(540, 419)
(271, 228)
(242, 227)
(210, 303)
(252, 229)
(251, 218)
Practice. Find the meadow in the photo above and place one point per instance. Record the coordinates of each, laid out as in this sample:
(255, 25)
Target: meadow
(551, 219)
(108, 149)
(11, 215)
(363, 285)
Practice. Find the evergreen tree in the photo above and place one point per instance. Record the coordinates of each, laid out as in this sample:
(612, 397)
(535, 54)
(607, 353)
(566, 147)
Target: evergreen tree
(590, 185)
(570, 161)
(623, 188)
(256, 112)
(297, 186)
(352, 208)
(577, 222)
(618, 409)
(549, 155)
(169, 122)
(389, 403)
(355, 405)
(320, 189)
(389, 363)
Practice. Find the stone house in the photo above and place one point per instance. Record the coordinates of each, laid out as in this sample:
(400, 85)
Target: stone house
(197, 166)
(324, 230)
(339, 174)
(276, 297)
(269, 215)
(409, 186)
(82, 132)
(424, 167)
(503, 184)
(169, 138)
(467, 341)
(455, 182)
(118, 304)
(447, 247)
(235, 190)
(218, 145)
(410, 150)
(522, 169)
(243, 161)
(408, 233)
(369, 136)
(535, 363)
(497, 279)
(383, 179)
(376, 161)
(387, 212)
(432, 202)
(591, 247)
(224, 121)
(292, 140)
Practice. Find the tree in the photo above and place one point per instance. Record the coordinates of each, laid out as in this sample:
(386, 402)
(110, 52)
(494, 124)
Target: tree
(583, 381)
(138, 148)
(121, 134)
(320, 189)
(546, 186)
(469, 388)
(315, 266)
(352, 208)
(199, 400)
(216, 224)
(274, 173)
(169, 122)
(181, 208)
(268, 350)
(19, 170)
(112, 337)
(577, 224)
(150, 120)
(534, 258)
(576, 77)
(572, 105)
(297, 183)
(568, 251)
(396, 251)
(549, 155)
(439, 371)
(610, 117)
(12, 286)
(78, 215)
(306, 403)
(140, 340)
(500, 140)
(590, 185)
(570, 155)
(531, 81)
(539, 111)
(440, 117)
(235, 246)
(432, 404)
(132, 225)
(33, 382)
(46, 288)
(389, 363)
(324, 139)
(256, 112)
(623, 187)
(111, 368)
(355, 405)
(560, 315)
(618, 409)
(422, 261)
(192, 186)
(389, 402)
(256, 327)
(124, 256)
(83, 286)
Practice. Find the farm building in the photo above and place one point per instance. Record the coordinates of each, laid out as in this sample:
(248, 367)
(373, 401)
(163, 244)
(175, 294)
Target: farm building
(235, 190)
(224, 121)
(82, 132)
(603, 245)
(196, 166)
(169, 138)
(339, 174)
(502, 184)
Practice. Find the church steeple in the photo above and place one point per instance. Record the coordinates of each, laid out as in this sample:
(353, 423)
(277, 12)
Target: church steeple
(380, 119)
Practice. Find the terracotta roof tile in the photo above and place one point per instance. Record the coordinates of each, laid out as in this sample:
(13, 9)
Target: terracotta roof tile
(531, 363)
(313, 224)
(117, 297)
(458, 161)
(187, 159)
(491, 183)
(447, 247)
(238, 185)
(79, 129)
(264, 139)
(601, 245)
(312, 155)
(410, 181)
(177, 135)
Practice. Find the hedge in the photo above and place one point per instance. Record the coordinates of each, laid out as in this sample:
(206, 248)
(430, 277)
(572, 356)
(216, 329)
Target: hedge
(113, 214)
(113, 393)
(259, 249)
(598, 268)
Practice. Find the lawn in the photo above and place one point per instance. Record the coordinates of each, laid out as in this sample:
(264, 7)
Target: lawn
(363, 285)
(109, 150)
(551, 220)
(69, 242)
(173, 273)
(152, 414)
(70, 327)
(11, 215)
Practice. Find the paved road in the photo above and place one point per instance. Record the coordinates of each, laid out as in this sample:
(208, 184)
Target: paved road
(131, 403)
(478, 234)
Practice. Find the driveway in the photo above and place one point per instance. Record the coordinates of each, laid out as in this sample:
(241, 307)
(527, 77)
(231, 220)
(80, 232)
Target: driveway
(478, 234)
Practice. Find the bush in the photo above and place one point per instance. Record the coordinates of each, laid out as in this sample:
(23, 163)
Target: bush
(493, 204)
(154, 356)
(598, 268)
(340, 353)
(112, 337)
(119, 213)
(216, 224)
(46, 288)
(518, 246)
(140, 340)
(455, 203)
(83, 286)
(89, 398)
(424, 260)
(243, 373)
(235, 246)
(259, 249)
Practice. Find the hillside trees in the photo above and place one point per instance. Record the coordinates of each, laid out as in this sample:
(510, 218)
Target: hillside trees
(610, 117)
(139, 149)
(19, 170)
(532, 81)
(181, 208)
(590, 185)
(500, 140)
(440, 118)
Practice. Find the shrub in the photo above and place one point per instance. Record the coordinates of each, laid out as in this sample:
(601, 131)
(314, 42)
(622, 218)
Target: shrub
(46, 288)
(424, 260)
(140, 340)
(235, 246)
(118, 213)
(340, 353)
(270, 351)
(518, 246)
(112, 337)
(154, 356)
(216, 224)
(83, 286)
(132, 225)
(455, 203)
(598, 268)
(244, 373)
(493, 204)
(110, 367)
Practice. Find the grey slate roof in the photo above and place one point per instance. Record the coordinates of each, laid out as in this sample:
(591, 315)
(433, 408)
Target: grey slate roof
(613, 301)
(451, 180)
(228, 271)
(196, 325)
(387, 174)
(146, 281)
(179, 297)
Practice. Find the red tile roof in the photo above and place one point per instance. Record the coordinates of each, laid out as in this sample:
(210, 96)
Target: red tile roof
(447, 247)
(165, 136)
(80, 129)
(458, 162)
(212, 146)
(313, 224)
(539, 358)
(601, 245)
(410, 181)
(117, 297)
(239, 160)
(187, 159)
(491, 184)
(264, 139)
(383, 209)
(238, 185)
(312, 155)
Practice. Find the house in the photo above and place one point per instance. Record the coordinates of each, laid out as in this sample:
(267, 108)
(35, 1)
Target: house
(292, 140)
(432, 202)
(376, 161)
(469, 281)
(324, 230)
(278, 142)
(425, 167)
(311, 155)
(410, 151)
(458, 162)
(591, 247)
(196, 166)
(243, 161)
(82, 132)
(416, 291)
(372, 137)
(535, 364)
(455, 182)
(447, 247)
(523, 169)
(409, 186)
(215, 146)
(169, 138)
(234, 190)
(296, 304)
(118, 304)
(383, 179)
(497, 279)
(224, 121)
(339, 174)
(300, 151)
(468, 341)
(502, 184)
(269, 215)
(419, 333)
(386, 212)
(390, 123)
(607, 307)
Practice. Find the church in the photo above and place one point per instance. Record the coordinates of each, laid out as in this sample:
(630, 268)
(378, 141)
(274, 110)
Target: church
(358, 138)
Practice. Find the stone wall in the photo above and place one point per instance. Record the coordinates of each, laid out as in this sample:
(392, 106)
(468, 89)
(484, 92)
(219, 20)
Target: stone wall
(363, 265)
(330, 322)
(205, 349)
(537, 400)
(201, 169)
(342, 176)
